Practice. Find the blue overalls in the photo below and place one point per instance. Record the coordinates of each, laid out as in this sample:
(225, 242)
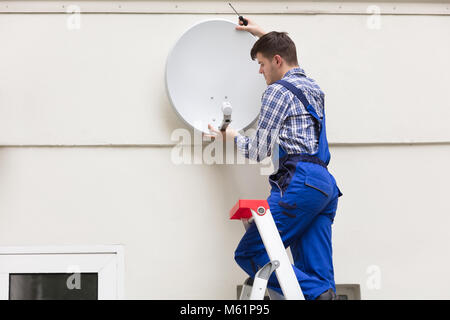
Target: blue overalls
(303, 203)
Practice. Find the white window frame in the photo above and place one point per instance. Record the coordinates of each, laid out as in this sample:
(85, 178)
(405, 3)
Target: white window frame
(107, 261)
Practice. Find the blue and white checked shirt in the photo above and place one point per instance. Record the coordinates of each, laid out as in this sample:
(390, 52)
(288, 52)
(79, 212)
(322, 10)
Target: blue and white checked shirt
(285, 120)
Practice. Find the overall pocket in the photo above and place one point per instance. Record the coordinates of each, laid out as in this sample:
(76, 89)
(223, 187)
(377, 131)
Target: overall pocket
(311, 196)
(282, 177)
(319, 184)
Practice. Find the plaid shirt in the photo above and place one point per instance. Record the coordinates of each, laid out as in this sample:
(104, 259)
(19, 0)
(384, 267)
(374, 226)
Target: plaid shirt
(285, 120)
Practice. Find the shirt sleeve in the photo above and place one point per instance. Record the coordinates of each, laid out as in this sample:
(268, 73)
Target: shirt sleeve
(273, 110)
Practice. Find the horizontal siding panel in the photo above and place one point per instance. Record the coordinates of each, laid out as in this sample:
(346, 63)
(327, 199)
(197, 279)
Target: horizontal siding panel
(393, 199)
(103, 84)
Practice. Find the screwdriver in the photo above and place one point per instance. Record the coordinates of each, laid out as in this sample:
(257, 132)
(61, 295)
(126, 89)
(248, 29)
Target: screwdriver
(240, 17)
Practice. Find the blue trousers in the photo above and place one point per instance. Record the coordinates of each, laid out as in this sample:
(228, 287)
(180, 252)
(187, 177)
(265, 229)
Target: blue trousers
(303, 215)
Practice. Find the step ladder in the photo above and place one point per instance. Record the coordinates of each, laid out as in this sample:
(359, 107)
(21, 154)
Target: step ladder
(258, 212)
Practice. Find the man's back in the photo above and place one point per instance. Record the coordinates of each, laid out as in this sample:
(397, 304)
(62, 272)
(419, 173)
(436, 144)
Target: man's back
(298, 130)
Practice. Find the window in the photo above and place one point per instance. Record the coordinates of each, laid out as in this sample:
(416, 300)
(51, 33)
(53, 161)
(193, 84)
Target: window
(61, 273)
(53, 286)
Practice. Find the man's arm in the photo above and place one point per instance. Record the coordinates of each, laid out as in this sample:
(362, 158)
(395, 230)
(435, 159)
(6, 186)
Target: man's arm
(251, 27)
(272, 115)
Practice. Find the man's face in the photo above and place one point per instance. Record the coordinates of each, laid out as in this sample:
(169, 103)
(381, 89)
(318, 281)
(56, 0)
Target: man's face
(269, 68)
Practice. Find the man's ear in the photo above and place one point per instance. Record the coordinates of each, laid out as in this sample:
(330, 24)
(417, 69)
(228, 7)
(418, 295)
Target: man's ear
(278, 59)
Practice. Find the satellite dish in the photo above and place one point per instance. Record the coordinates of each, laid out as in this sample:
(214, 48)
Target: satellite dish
(209, 71)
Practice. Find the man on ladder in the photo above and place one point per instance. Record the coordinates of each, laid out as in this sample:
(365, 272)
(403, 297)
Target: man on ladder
(304, 195)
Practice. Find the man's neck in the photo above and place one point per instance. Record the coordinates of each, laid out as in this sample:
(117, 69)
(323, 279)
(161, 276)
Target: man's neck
(286, 70)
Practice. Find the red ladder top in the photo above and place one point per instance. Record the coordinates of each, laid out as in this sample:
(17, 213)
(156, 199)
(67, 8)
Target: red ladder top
(242, 209)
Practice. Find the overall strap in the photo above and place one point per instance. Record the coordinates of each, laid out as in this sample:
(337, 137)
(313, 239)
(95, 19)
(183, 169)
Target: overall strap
(299, 94)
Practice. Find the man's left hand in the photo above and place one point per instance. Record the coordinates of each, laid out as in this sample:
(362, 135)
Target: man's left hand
(217, 134)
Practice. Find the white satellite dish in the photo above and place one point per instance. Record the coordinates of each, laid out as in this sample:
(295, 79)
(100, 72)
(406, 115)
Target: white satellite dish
(209, 70)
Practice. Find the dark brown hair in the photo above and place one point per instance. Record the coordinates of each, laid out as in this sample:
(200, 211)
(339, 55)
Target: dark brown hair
(273, 43)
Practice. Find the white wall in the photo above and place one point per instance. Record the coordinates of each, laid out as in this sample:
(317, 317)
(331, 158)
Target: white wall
(85, 130)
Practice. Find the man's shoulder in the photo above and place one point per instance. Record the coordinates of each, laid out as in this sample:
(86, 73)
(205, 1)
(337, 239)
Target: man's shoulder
(305, 84)
(275, 90)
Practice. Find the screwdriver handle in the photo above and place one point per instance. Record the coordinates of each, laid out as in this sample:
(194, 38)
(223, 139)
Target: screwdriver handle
(244, 21)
